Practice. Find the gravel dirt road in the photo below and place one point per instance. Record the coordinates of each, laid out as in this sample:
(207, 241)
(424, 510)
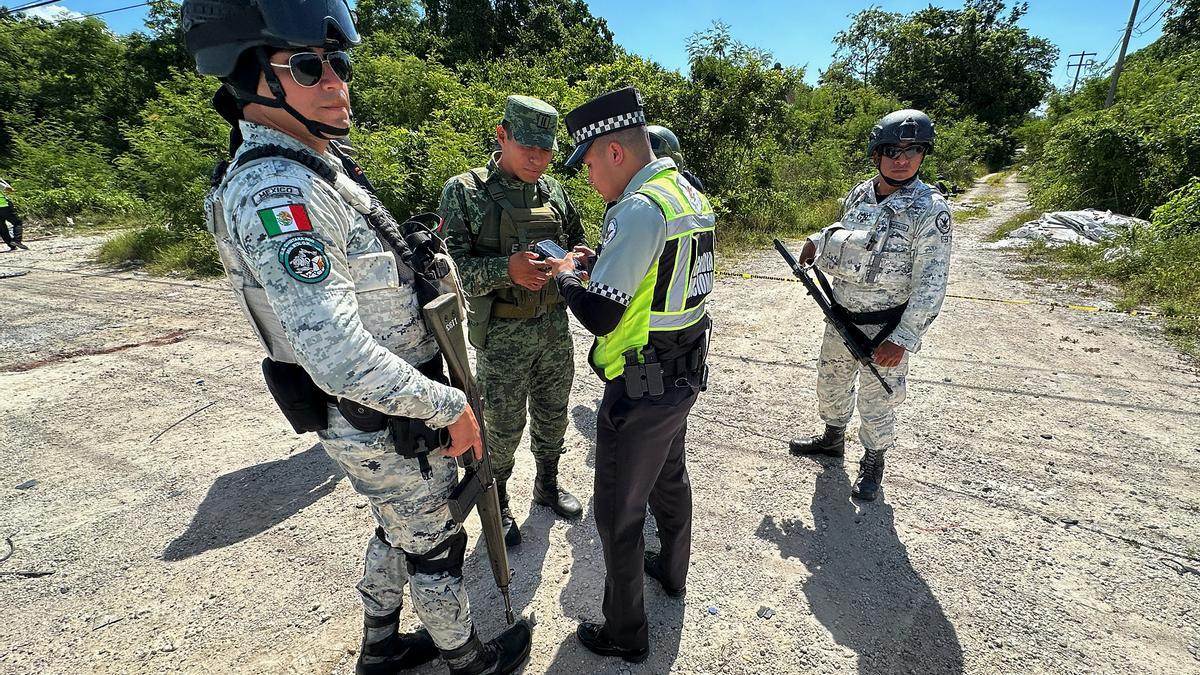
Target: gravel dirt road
(1040, 513)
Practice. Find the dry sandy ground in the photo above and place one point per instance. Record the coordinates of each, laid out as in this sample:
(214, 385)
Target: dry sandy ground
(1040, 512)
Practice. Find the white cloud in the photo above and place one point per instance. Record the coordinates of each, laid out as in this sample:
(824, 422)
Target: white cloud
(52, 13)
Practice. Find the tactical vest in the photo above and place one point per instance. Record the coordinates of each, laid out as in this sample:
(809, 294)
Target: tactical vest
(671, 297)
(252, 297)
(507, 229)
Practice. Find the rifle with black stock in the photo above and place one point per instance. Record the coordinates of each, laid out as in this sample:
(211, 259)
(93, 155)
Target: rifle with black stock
(444, 317)
(853, 338)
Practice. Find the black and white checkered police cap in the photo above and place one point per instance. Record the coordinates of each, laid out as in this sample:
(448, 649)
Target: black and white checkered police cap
(604, 114)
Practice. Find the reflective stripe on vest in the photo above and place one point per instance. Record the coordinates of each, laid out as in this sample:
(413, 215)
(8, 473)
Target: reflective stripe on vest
(672, 295)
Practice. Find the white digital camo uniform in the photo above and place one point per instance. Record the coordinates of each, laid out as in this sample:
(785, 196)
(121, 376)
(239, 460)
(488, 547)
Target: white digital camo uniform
(321, 290)
(878, 256)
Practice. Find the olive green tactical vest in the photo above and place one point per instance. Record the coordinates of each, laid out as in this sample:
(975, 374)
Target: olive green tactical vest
(507, 229)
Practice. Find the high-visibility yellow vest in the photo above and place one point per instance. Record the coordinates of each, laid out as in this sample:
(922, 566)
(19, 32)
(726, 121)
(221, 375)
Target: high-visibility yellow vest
(671, 297)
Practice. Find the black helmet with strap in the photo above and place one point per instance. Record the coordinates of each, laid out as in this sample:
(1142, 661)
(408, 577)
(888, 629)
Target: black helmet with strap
(218, 33)
(897, 127)
(903, 126)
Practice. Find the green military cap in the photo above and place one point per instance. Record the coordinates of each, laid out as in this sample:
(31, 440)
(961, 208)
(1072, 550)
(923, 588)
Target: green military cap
(533, 121)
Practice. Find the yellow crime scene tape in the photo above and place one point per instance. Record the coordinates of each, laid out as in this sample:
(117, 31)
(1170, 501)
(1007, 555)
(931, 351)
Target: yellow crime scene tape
(977, 298)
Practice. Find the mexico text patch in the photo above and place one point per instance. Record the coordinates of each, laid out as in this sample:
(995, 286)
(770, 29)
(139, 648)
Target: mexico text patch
(304, 259)
(276, 191)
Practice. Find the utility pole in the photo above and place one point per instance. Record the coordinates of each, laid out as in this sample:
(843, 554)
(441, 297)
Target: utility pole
(1078, 66)
(1112, 87)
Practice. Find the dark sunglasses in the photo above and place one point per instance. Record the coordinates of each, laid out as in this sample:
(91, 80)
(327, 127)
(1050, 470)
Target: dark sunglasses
(308, 67)
(895, 151)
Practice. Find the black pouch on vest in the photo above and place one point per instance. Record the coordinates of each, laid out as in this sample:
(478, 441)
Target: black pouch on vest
(643, 378)
(415, 440)
(361, 417)
(299, 398)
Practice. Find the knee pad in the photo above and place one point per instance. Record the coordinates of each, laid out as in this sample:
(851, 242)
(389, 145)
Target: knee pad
(452, 563)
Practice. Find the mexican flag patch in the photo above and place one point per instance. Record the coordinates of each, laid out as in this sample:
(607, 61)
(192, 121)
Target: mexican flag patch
(285, 220)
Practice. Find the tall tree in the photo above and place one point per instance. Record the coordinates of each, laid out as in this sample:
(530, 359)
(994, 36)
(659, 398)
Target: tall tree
(863, 45)
(975, 61)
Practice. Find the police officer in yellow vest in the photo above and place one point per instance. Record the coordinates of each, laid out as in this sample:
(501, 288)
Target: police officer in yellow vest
(646, 305)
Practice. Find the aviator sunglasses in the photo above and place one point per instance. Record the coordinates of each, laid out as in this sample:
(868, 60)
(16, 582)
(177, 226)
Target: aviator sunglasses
(895, 151)
(308, 67)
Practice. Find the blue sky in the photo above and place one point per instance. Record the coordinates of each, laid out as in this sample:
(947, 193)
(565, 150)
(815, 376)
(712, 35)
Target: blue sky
(797, 32)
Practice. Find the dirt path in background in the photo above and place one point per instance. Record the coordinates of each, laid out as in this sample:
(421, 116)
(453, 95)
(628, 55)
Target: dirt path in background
(1040, 513)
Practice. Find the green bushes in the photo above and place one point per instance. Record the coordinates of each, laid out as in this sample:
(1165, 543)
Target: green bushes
(1181, 214)
(1140, 157)
(187, 250)
(774, 151)
(57, 174)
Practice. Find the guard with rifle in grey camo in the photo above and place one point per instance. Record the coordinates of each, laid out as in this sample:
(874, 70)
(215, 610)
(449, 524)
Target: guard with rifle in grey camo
(884, 267)
(334, 288)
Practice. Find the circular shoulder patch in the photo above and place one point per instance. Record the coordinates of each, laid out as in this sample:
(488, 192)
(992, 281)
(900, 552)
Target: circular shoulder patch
(942, 221)
(304, 259)
(610, 231)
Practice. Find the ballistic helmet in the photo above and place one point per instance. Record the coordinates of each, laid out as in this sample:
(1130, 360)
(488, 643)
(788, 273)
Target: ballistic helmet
(664, 142)
(897, 127)
(219, 33)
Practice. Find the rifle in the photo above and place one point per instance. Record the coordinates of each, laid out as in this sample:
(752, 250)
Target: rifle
(444, 317)
(853, 338)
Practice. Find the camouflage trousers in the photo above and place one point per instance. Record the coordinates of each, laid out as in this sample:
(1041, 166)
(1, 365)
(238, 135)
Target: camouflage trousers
(413, 514)
(526, 361)
(838, 386)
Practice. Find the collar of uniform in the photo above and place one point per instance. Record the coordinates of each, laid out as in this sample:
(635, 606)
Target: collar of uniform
(901, 198)
(257, 134)
(509, 181)
(646, 173)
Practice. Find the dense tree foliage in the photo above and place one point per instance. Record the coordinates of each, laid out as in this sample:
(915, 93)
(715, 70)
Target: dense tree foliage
(119, 125)
(1139, 157)
(953, 63)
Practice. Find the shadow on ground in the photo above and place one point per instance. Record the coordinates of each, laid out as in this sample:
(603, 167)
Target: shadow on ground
(249, 501)
(863, 588)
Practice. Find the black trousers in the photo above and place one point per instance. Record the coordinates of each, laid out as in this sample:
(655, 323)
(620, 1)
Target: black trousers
(640, 460)
(8, 215)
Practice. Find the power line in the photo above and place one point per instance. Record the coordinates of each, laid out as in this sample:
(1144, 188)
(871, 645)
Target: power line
(1078, 66)
(1150, 16)
(85, 16)
(81, 16)
(1147, 30)
(32, 5)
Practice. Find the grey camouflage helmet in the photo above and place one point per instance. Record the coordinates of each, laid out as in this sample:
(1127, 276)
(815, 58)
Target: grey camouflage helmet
(663, 140)
(897, 127)
(218, 32)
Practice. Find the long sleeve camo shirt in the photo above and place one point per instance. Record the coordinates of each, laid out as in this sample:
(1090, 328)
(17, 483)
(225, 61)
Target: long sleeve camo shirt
(354, 327)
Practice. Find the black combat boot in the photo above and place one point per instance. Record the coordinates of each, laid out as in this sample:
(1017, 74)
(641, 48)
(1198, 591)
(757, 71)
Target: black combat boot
(547, 492)
(504, 654)
(512, 534)
(385, 650)
(831, 444)
(870, 475)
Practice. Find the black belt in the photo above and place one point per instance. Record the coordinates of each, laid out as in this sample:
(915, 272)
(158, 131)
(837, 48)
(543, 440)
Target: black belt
(412, 437)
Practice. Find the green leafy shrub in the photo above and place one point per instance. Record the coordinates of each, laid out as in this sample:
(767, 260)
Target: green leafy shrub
(188, 251)
(57, 174)
(1181, 214)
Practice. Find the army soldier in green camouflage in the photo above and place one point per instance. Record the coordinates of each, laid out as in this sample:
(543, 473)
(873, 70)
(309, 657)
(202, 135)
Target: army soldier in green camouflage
(518, 321)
